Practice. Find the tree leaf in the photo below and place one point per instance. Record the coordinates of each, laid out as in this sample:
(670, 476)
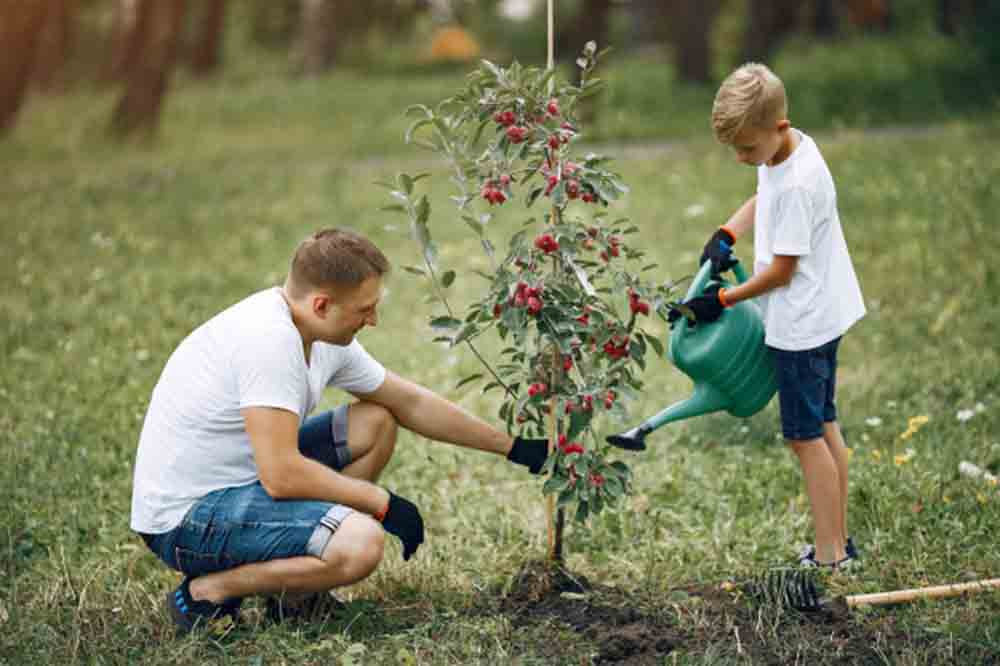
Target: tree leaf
(447, 279)
(445, 323)
(416, 270)
(395, 208)
(469, 379)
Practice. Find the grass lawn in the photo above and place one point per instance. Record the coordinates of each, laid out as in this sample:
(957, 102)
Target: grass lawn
(109, 257)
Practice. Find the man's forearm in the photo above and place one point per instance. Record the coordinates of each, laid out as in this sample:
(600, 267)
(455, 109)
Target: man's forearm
(742, 219)
(306, 479)
(439, 419)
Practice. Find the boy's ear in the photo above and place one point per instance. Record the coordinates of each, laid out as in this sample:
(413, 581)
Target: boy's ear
(321, 305)
(783, 125)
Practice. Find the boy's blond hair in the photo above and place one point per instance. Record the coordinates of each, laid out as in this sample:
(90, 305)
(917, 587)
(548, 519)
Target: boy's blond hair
(752, 94)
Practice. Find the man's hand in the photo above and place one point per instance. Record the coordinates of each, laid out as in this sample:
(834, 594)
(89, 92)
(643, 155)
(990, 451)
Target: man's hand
(719, 250)
(707, 307)
(529, 452)
(402, 519)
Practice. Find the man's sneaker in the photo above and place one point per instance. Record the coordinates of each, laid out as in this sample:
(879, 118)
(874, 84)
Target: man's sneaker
(189, 614)
(849, 549)
(312, 607)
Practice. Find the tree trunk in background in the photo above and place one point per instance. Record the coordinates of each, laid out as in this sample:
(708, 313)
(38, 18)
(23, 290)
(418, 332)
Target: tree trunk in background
(21, 24)
(318, 35)
(768, 22)
(205, 56)
(125, 41)
(273, 23)
(690, 29)
(56, 44)
(868, 14)
(825, 20)
(159, 28)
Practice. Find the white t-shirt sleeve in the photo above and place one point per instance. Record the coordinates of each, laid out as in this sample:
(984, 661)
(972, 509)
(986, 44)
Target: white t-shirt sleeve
(359, 372)
(792, 228)
(270, 371)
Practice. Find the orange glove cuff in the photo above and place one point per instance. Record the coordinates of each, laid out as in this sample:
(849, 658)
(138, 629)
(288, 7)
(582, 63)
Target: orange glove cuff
(722, 298)
(732, 236)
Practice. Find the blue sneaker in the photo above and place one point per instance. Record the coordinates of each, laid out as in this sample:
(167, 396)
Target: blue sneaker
(189, 614)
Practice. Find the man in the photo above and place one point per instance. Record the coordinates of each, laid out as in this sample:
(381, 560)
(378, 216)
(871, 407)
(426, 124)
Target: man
(237, 490)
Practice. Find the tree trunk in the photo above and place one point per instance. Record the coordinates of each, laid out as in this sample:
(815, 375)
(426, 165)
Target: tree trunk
(56, 44)
(159, 28)
(125, 41)
(825, 20)
(317, 33)
(205, 57)
(690, 31)
(21, 24)
(768, 22)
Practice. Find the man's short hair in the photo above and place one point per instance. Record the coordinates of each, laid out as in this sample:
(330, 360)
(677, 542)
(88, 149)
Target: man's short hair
(334, 259)
(752, 95)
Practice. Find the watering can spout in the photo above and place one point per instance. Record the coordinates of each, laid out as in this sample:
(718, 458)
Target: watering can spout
(706, 399)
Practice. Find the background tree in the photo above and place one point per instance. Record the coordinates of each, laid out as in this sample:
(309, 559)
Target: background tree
(157, 33)
(690, 29)
(56, 42)
(768, 22)
(205, 55)
(122, 45)
(21, 24)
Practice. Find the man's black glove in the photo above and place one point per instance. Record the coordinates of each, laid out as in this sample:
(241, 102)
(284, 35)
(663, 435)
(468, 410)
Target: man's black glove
(402, 519)
(719, 250)
(706, 308)
(529, 452)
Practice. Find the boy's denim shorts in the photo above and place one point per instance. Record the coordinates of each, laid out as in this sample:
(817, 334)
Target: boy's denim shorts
(233, 526)
(806, 385)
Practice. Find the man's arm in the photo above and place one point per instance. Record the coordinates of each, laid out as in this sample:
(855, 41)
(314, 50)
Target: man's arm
(777, 274)
(286, 474)
(424, 412)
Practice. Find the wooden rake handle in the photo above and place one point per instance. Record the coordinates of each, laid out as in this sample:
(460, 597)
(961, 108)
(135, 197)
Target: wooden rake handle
(899, 596)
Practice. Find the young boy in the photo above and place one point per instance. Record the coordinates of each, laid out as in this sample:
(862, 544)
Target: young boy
(804, 281)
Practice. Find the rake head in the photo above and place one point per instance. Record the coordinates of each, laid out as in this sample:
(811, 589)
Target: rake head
(787, 588)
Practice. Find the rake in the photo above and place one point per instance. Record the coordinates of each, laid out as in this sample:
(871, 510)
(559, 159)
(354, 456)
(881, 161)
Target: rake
(797, 588)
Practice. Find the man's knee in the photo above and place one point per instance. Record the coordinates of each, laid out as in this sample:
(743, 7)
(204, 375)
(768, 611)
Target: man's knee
(356, 548)
(374, 423)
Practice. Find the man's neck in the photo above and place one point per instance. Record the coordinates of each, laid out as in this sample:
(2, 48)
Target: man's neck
(307, 340)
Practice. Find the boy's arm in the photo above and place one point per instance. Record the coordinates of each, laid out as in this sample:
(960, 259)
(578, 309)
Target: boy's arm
(742, 219)
(777, 274)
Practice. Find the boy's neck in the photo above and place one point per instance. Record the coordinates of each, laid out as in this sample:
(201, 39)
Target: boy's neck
(788, 145)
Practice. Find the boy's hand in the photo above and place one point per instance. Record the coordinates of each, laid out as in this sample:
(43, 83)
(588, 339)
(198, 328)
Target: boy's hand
(706, 308)
(719, 250)
(529, 452)
(402, 518)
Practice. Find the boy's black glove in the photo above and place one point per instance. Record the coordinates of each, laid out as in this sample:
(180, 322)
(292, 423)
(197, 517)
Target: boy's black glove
(529, 452)
(706, 308)
(402, 519)
(719, 250)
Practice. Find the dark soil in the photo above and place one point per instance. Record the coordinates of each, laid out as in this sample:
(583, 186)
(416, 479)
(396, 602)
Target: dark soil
(565, 618)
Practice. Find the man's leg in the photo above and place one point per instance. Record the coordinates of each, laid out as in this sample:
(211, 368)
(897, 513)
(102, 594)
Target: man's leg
(819, 471)
(838, 450)
(371, 438)
(352, 554)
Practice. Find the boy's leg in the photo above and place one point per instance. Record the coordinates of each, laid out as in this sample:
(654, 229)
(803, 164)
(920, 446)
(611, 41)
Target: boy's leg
(838, 449)
(819, 470)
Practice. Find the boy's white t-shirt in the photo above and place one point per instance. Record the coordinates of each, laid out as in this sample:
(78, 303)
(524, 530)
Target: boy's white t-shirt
(194, 439)
(796, 214)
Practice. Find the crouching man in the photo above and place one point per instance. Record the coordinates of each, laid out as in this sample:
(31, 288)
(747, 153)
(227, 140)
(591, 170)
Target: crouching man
(242, 492)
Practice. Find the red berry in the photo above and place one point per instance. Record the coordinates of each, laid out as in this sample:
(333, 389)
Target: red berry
(520, 300)
(608, 403)
(516, 134)
(497, 309)
(615, 251)
(643, 308)
(572, 189)
(567, 363)
(604, 256)
(587, 197)
(554, 142)
(584, 319)
(562, 441)
(536, 389)
(534, 305)
(505, 118)
(505, 180)
(553, 107)
(592, 232)
(572, 447)
(596, 480)
(569, 168)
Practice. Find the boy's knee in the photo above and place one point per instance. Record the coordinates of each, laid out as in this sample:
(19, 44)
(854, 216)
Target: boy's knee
(357, 547)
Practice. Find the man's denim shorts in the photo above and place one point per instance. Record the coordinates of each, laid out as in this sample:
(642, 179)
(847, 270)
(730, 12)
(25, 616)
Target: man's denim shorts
(807, 381)
(234, 526)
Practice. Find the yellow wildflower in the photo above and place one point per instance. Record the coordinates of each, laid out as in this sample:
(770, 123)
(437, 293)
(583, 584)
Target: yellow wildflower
(913, 425)
(877, 455)
(903, 458)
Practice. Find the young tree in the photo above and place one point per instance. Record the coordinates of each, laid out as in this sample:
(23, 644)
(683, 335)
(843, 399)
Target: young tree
(21, 23)
(157, 27)
(562, 298)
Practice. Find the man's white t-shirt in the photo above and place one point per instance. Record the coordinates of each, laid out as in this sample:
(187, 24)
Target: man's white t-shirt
(796, 214)
(194, 439)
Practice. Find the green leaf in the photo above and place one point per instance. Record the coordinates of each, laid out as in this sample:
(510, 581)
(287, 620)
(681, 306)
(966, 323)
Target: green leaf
(419, 107)
(423, 210)
(468, 331)
(552, 484)
(416, 270)
(582, 511)
(447, 279)
(592, 87)
(395, 208)
(469, 379)
(655, 344)
(533, 196)
(412, 129)
(407, 183)
(578, 422)
(445, 323)
(490, 387)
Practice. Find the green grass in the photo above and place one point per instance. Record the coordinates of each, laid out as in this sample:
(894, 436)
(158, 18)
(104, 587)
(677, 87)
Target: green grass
(109, 256)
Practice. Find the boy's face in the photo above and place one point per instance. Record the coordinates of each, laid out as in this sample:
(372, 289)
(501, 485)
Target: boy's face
(756, 145)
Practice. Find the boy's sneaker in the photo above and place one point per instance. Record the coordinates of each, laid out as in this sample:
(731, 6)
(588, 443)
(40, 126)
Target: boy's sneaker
(809, 561)
(849, 549)
(312, 607)
(189, 614)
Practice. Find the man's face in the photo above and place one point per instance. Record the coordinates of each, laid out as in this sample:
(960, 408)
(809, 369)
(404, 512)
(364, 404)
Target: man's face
(755, 146)
(348, 311)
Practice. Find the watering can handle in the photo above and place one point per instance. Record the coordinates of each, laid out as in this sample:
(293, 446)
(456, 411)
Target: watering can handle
(705, 274)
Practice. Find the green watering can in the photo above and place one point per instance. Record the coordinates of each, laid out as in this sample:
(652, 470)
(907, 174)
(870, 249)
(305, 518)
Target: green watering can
(731, 368)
